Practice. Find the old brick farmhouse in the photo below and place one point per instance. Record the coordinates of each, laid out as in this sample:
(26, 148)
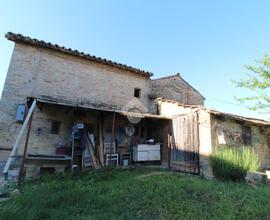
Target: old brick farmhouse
(63, 109)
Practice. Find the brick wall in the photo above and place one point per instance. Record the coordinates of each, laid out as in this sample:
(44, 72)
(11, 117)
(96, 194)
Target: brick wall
(39, 72)
(43, 72)
(17, 87)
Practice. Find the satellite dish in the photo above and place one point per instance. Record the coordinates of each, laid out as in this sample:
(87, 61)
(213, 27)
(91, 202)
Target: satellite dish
(130, 130)
(134, 115)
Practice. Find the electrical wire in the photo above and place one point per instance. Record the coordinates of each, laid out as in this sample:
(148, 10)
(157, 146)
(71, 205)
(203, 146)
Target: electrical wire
(227, 102)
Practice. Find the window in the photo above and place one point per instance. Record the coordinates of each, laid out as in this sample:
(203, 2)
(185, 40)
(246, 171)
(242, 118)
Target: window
(246, 135)
(55, 127)
(137, 92)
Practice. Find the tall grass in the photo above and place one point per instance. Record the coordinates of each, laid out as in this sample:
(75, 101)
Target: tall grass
(141, 194)
(230, 163)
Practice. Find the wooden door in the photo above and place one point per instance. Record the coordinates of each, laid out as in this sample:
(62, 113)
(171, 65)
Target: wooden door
(185, 143)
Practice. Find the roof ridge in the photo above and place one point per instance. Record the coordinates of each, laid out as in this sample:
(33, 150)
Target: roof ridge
(191, 86)
(33, 41)
(166, 77)
(179, 76)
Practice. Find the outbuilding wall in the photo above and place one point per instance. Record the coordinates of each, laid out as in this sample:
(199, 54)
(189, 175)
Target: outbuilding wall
(205, 136)
(226, 131)
(216, 130)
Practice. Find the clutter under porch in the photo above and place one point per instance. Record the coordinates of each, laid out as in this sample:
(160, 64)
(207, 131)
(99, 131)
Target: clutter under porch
(67, 137)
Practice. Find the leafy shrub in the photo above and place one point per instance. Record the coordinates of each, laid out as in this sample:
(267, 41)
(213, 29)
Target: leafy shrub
(230, 163)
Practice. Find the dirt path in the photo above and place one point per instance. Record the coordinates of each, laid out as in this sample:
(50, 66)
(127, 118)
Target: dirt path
(154, 173)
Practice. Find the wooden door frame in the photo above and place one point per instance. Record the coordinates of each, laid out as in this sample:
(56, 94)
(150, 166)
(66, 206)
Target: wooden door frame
(196, 149)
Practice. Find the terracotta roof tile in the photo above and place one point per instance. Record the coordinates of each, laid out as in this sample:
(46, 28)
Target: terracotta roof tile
(216, 112)
(40, 43)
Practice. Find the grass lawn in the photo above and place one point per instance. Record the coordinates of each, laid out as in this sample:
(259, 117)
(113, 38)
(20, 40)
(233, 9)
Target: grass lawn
(136, 194)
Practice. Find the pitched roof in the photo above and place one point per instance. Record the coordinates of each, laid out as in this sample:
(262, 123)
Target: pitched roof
(216, 112)
(179, 76)
(239, 117)
(81, 105)
(40, 43)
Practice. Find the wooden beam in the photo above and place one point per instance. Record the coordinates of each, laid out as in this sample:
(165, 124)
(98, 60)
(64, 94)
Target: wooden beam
(101, 146)
(169, 142)
(5, 149)
(112, 137)
(197, 136)
(72, 151)
(91, 150)
(21, 172)
(83, 143)
(18, 139)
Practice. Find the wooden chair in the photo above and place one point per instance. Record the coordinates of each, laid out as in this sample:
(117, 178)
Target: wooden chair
(110, 154)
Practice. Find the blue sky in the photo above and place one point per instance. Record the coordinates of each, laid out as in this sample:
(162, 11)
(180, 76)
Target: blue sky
(207, 42)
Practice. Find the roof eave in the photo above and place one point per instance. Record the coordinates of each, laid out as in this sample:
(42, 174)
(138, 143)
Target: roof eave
(18, 38)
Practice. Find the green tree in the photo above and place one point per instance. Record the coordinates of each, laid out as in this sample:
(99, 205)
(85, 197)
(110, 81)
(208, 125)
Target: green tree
(258, 80)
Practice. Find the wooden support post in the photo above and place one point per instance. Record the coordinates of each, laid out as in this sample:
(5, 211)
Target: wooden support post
(101, 146)
(91, 150)
(21, 172)
(112, 137)
(169, 142)
(72, 152)
(197, 136)
(18, 139)
(83, 143)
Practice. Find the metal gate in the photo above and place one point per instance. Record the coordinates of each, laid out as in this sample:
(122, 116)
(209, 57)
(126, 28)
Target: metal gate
(185, 144)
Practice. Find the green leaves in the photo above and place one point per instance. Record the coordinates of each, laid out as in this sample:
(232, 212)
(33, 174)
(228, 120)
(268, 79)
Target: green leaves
(230, 163)
(136, 194)
(258, 80)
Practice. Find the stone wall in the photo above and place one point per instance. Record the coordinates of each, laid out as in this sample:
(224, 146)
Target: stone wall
(228, 131)
(216, 131)
(177, 89)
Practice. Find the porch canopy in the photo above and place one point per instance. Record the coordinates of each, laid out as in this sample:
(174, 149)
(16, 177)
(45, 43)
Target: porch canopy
(89, 106)
(98, 156)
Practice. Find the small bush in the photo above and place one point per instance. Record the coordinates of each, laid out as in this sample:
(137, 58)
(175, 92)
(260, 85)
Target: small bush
(230, 163)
